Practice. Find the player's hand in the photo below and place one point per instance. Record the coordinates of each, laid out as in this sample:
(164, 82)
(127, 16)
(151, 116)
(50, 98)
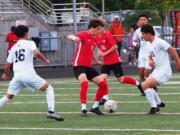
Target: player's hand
(99, 62)
(47, 62)
(100, 53)
(4, 77)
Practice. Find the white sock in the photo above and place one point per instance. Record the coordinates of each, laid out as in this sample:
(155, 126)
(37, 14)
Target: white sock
(106, 97)
(50, 98)
(3, 101)
(137, 82)
(150, 97)
(157, 98)
(83, 106)
(96, 104)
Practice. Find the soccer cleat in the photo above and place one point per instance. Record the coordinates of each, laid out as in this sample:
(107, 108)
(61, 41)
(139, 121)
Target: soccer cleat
(55, 116)
(102, 101)
(83, 113)
(96, 110)
(161, 105)
(140, 89)
(153, 110)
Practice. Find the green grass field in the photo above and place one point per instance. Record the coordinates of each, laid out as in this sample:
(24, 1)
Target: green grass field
(26, 113)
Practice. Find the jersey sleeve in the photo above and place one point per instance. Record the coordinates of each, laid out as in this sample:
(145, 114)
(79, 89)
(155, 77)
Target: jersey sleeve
(32, 46)
(164, 45)
(10, 57)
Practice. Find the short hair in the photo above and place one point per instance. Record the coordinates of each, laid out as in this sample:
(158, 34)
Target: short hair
(13, 28)
(20, 31)
(148, 29)
(94, 23)
(143, 15)
(134, 26)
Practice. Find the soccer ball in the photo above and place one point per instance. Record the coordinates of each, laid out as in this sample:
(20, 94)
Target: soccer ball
(110, 106)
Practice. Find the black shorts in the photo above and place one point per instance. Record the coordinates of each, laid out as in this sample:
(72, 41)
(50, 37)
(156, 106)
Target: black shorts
(89, 71)
(116, 68)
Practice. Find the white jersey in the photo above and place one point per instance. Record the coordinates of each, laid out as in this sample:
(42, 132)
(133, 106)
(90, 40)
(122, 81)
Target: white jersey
(21, 55)
(144, 45)
(160, 56)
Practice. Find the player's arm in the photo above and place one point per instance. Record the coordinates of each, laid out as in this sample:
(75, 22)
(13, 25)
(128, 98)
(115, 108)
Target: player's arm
(6, 71)
(96, 59)
(41, 56)
(74, 38)
(172, 51)
(102, 54)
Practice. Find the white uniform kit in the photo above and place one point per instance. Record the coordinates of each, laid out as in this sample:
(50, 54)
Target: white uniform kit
(158, 51)
(21, 55)
(144, 49)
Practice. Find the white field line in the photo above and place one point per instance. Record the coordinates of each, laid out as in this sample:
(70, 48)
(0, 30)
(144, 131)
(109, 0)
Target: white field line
(116, 113)
(91, 129)
(77, 83)
(77, 102)
(92, 94)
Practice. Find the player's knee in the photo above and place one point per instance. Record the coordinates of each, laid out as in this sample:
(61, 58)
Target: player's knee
(45, 86)
(9, 96)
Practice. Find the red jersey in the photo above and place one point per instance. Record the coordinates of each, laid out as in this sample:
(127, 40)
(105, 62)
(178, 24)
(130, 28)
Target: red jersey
(84, 50)
(104, 43)
(12, 39)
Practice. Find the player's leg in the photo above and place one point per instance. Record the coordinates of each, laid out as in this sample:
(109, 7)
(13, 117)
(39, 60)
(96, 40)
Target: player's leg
(80, 74)
(105, 71)
(102, 86)
(35, 82)
(13, 89)
(147, 86)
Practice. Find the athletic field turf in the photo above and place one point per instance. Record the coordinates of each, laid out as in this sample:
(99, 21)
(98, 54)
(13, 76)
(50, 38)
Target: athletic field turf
(26, 113)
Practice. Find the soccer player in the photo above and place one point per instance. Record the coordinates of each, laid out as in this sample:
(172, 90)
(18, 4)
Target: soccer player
(82, 65)
(21, 55)
(159, 60)
(144, 68)
(107, 48)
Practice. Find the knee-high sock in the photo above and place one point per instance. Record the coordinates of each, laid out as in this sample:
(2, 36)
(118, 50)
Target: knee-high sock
(83, 92)
(50, 98)
(102, 87)
(3, 100)
(157, 98)
(150, 97)
(129, 80)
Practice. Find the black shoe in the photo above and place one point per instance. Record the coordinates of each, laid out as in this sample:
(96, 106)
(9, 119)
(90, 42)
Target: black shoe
(84, 113)
(102, 101)
(140, 89)
(55, 116)
(153, 110)
(96, 110)
(161, 105)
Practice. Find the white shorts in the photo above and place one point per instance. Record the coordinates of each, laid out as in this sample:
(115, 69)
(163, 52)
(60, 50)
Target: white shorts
(161, 77)
(21, 80)
(143, 63)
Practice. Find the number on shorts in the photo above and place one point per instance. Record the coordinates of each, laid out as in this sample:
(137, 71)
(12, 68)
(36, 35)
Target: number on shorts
(20, 55)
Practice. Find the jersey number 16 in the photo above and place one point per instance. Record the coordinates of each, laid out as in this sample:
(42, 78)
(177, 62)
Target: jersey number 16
(20, 55)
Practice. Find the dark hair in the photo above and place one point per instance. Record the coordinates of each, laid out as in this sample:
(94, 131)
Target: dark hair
(13, 28)
(20, 31)
(148, 29)
(133, 26)
(94, 23)
(143, 15)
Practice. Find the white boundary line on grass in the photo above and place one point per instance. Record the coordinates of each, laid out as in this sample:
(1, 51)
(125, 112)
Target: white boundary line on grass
(116, 113)
(77, 102)
(90, 129)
